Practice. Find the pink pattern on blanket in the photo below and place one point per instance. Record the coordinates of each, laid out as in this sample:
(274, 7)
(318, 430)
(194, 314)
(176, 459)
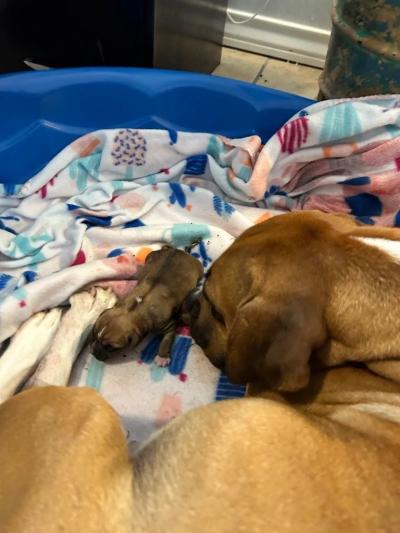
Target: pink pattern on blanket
(130, 199)
(251, 145)
(348, 166)
(385, 220)
(385, 153)
(385, 183)
(124, 265)
(327, 203)
(170, 407)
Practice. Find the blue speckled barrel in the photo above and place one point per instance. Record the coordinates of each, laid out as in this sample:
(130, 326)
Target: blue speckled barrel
(364, 51)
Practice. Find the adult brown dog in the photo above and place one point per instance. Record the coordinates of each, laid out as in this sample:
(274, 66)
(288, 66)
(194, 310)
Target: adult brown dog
(325, 458)
(153, 306)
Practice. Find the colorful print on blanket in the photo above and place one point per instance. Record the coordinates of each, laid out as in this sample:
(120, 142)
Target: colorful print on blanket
(99, 207)
(336, 156)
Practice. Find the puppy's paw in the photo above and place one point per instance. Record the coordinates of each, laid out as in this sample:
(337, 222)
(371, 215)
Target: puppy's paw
(162, 361)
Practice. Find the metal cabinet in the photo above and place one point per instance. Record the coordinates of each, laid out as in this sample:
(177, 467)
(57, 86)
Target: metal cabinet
(296, 30)
(178, 34)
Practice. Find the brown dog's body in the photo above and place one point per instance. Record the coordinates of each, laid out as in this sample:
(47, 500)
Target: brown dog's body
(323, 458)
(250, 465)
(153, 306)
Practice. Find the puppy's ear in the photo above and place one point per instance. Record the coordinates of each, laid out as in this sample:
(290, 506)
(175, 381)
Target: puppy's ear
(271, 343)
(133, 340)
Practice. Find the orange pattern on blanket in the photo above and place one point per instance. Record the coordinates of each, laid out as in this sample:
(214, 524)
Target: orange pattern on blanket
(259, 176)
(263, 218)
(340, 150)
(142, 254)
(327, 151)
(85, 145)
(251, 145)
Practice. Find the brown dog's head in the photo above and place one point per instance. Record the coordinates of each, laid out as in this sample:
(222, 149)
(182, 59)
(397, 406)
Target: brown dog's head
(113, 333)
(265, 345)
(258, 317)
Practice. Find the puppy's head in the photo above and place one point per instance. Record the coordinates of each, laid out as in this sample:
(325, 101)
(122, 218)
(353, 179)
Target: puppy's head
(113, 333)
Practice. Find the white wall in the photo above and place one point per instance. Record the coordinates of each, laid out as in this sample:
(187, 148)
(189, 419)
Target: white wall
(297, 30)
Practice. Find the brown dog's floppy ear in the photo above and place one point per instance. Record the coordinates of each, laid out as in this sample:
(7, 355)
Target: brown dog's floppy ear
(271, 343)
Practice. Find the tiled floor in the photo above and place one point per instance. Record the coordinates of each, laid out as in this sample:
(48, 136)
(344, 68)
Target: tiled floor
(240, 65)
(269, 72)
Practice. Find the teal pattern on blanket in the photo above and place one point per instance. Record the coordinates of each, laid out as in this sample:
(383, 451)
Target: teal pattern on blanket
(393, 130)
(339, 122)
(81, 169)
(157, 373)
(215, 147)
(129, 173)
(151, 179)
(244, 173)
(22, 246)
(20, 293)
(95, 373)
(117, 185)
(185, 234)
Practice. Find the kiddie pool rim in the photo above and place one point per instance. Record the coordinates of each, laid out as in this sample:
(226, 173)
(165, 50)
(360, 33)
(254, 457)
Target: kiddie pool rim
(42, 112)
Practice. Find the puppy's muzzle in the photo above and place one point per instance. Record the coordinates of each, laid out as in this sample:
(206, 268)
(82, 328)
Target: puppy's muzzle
(103, 352)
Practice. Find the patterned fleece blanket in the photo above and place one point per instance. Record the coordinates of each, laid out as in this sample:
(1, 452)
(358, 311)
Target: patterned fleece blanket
(100, 206)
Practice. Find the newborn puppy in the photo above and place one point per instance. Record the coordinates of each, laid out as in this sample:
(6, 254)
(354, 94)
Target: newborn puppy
(166, 279)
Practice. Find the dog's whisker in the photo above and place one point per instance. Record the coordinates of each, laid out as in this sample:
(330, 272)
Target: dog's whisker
(100, 335)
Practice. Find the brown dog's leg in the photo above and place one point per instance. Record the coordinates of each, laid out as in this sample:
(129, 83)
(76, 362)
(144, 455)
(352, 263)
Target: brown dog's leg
(164, 353)
(27, 347)
(56, 366)
(65, 464)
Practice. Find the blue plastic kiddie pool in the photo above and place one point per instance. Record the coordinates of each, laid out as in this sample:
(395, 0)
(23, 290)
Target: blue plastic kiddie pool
(42, 112)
